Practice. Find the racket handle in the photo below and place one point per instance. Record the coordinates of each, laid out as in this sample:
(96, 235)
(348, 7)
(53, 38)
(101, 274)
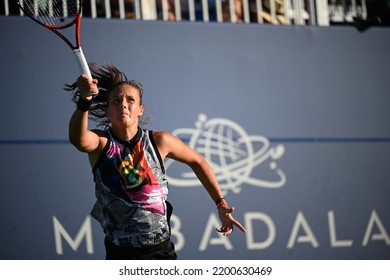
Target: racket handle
(82, 62)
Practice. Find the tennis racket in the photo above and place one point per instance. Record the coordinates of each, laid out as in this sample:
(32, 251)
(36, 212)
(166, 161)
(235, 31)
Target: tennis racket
(58, 15)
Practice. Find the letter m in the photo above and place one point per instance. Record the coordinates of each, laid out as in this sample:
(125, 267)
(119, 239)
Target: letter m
(84, 232)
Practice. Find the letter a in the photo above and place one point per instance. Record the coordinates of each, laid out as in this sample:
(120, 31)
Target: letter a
(383, 235)
(309, 237)
(212, 224)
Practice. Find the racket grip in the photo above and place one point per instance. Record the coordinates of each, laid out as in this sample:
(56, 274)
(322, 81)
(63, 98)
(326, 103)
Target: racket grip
(82, 62)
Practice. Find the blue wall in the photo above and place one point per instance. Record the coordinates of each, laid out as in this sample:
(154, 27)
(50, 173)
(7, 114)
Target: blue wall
(295, 121)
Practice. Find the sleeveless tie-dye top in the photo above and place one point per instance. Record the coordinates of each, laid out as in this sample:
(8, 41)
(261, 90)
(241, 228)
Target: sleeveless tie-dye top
(131, 190)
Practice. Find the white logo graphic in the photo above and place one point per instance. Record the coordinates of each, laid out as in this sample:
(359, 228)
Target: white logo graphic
(232, 153)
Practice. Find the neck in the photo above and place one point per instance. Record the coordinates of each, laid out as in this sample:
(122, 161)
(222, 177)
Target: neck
(125, 134)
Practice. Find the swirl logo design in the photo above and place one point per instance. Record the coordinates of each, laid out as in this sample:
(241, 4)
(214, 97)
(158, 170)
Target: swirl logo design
(236, 157)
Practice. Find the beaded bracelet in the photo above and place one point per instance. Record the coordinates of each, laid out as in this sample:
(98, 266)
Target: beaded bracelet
(221, 201)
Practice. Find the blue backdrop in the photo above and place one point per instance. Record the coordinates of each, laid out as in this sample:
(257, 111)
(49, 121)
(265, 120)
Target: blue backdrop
(294, 120)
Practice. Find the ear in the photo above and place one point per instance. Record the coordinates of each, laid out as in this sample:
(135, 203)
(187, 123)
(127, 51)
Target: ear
(141, 110)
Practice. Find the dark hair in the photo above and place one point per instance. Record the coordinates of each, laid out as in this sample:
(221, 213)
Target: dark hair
(108, 77)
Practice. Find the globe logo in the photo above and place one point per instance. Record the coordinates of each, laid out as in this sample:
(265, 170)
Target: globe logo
(235, 156)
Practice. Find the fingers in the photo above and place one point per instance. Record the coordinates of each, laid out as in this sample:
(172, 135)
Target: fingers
(236, 223)
(225, 230)
(229, 229)
(87, 87)
(240, 227)
(85, 80)
(228, 222)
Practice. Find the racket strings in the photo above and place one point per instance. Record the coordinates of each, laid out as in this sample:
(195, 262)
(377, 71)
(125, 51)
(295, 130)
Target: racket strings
(52, 12)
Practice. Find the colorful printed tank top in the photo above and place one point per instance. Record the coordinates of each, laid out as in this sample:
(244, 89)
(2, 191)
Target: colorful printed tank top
(131, 191)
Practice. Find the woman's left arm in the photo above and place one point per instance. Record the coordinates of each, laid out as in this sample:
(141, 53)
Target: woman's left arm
(172, 147)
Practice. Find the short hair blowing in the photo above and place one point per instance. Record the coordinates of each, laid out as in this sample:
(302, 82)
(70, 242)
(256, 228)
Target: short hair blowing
(108, 77)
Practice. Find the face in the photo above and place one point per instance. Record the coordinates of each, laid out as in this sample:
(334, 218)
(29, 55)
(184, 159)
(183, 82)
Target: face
(124, 106)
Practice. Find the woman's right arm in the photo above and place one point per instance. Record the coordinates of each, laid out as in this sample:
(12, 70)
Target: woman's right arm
(80, 136)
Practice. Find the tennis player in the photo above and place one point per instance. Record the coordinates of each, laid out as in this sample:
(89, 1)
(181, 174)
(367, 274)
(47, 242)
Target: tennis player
(127, 162)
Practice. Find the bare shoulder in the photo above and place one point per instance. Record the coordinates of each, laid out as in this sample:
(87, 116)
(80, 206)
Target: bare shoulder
(173, 147)
(102, 135)
(162, 136)
(165, 142)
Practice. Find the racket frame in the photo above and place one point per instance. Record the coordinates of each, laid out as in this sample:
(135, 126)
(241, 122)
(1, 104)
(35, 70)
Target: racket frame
(77, 50)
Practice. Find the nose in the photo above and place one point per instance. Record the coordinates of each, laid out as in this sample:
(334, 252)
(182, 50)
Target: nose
(124, 103)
